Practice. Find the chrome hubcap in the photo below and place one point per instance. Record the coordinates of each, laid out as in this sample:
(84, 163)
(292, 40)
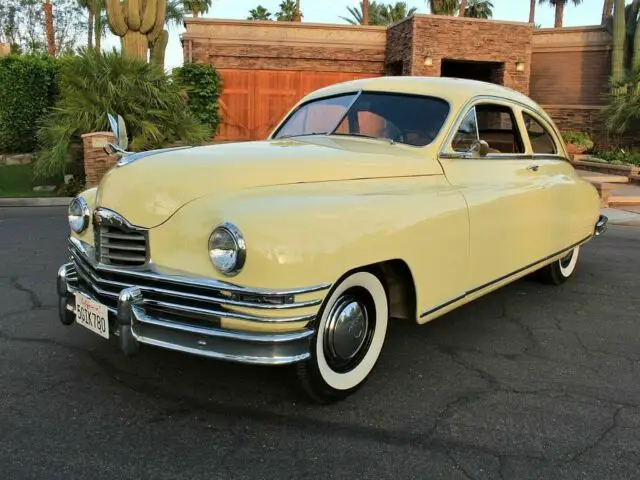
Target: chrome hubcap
(346, 329)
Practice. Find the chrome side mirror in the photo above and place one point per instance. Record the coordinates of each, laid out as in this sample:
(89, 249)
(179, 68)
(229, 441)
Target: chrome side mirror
(479, 148)
(119, 130)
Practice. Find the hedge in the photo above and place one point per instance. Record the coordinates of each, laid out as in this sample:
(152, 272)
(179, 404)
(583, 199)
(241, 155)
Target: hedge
(28, 90)
(204, 87)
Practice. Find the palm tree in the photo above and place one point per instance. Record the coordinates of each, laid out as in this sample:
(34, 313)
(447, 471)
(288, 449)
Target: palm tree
(96, 22)
(357, 14)
(393, 13)
(607, 10)
(480, 9)
(289, 11)
(559, 5)
(196, 7)
(463, 8)
(259, 13)
(48, 23)
(532, 12)
(443, 7)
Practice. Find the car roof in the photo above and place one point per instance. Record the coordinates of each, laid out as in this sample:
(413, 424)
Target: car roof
(455, 90)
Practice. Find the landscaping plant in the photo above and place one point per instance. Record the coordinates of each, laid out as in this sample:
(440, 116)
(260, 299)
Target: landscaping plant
(577, 142)
(28, 90)
(93, 84)
(204, 87)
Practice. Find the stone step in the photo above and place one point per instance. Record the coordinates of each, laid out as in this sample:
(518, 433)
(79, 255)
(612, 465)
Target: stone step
(616, 201)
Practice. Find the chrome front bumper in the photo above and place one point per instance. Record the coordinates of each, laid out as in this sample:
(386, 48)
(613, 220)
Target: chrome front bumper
(601, 226)
(185, 313)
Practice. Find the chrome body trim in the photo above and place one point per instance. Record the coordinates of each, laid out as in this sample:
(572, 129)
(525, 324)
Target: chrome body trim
(185, 313)
(500, 279)
(601, 225)
(131, 243)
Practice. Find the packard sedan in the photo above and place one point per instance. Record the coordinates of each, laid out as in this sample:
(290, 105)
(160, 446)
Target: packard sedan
(377, 200)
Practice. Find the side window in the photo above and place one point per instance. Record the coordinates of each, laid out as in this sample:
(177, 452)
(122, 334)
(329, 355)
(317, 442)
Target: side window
(467, 133)
(498, 127)
(541, 141)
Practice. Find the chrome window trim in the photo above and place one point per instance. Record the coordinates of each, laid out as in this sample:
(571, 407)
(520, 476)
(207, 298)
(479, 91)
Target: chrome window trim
(555, 136)
(444, 154)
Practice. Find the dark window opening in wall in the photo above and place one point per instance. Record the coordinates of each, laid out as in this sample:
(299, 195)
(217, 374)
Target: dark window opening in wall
(492, 72)
(395, 69)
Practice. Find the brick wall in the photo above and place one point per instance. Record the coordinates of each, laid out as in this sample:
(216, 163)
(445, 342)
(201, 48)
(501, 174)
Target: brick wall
(463, 39)
(96, 161)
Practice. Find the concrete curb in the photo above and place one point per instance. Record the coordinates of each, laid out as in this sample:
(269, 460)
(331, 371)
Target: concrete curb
(36, 202)
(621, 217)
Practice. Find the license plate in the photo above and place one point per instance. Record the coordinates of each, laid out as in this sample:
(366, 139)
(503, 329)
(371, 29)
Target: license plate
(92, 315)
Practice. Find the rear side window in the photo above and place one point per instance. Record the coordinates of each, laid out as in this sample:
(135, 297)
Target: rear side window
(497, 126)
(541, 140)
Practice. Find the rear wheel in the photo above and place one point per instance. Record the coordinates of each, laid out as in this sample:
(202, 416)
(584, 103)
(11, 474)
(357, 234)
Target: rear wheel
(348, 340)
(561, 270)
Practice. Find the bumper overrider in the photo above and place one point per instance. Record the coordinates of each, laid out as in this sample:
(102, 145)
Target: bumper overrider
(189, 314)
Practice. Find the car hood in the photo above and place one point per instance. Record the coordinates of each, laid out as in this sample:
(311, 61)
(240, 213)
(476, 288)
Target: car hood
(149, 190)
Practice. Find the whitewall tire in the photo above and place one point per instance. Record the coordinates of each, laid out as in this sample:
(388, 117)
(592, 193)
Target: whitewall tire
(350, 333)
(561, 270)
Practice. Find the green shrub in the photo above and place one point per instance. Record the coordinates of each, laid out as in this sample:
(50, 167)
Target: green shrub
(622, 112)
(620, 156)
(580, 139)
(204, 87)
(28, 90)
(92, 84)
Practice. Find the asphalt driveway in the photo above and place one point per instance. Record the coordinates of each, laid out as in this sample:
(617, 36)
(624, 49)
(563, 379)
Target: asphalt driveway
(530, 382)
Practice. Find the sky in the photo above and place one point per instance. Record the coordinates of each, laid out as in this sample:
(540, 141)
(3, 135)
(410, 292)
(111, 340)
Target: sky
(329, 11)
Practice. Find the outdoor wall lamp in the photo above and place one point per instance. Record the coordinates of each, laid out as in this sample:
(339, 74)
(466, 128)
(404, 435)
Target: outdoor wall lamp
(428, 61)
(520, 65)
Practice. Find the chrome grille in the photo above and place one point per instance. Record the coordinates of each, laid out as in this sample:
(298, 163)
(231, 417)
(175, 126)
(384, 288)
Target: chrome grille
(184, 300)
(124, 248)
(118, 242)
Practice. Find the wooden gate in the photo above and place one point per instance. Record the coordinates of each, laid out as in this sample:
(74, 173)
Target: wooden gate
(254, 101)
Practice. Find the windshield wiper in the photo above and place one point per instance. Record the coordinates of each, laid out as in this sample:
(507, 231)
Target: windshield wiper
(311, 134)
(362, 135)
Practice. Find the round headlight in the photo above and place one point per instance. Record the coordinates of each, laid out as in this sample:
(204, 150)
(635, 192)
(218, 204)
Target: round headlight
(227, 249)
(79, 215)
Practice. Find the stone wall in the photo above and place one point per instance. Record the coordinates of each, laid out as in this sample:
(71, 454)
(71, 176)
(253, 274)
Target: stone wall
(422, 42)
(252, 45)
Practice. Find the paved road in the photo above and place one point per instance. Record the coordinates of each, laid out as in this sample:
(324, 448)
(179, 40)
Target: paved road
(530, 382)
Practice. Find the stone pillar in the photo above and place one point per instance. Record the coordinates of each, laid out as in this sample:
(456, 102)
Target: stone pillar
(96, 161)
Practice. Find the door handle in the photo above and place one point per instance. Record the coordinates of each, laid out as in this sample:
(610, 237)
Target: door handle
(533, 168)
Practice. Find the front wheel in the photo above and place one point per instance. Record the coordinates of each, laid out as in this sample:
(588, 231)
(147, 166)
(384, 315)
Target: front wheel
(561, 270)
(351, 330)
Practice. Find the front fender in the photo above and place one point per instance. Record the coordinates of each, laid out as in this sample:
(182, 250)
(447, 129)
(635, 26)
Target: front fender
(307, 234)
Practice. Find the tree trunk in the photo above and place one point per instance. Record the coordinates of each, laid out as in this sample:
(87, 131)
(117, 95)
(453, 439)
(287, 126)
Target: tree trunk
(136, 45)
(607, 10)
(532, 11)
(463, 8)
(619, 34)
(97, 29)
(296, 17)
(365, 12)
(48, 23)
(90, 30)
(636, 49)
(559, 13)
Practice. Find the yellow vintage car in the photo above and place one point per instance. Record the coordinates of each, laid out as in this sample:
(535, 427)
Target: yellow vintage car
(377, 200)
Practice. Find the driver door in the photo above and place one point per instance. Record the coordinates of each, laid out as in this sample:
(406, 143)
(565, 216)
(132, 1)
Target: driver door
(504, 190)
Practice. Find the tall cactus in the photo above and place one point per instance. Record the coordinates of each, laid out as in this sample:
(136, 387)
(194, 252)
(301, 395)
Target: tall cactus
(138, 23)
(158, 48)
(619, 34)
(636, 48)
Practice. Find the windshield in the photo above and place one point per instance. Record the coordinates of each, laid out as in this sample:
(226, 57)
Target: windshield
(409, 119)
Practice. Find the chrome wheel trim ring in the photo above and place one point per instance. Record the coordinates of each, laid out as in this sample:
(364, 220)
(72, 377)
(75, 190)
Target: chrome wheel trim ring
(346, 329)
